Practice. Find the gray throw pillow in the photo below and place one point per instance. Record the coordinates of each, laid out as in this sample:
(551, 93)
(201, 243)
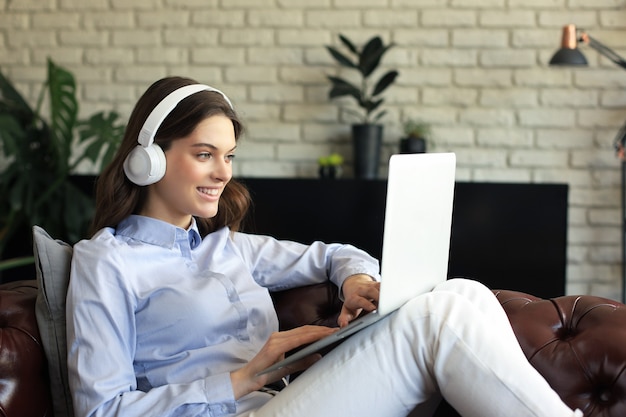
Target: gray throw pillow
(52, 261)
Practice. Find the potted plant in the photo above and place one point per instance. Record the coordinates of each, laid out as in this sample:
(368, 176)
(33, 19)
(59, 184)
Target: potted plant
(330, 166)
(40, 155)
(367, 133)
(416, 135)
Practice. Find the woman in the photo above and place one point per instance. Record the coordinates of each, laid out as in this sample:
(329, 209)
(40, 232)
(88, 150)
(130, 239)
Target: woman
(169, 312)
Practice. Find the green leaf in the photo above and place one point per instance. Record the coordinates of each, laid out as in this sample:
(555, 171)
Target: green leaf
(371, 56)
(13, 100)
(11, 134)
(63, 111)
(341, 58)
(342, 87)
(372, 105)
(379, 116)
(108, 155)
(348, 44)
(357, 115)
(17, 120)
(104, 131)
(385, 81)
(16, 197)
(91, 152)
(15, 262)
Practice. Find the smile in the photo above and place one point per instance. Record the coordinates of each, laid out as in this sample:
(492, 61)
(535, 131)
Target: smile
(209, 191)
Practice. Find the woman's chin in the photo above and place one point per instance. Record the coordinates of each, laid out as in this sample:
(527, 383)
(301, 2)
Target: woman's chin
(207, 213)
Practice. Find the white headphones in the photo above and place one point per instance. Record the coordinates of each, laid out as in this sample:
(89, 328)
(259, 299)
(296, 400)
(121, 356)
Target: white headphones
(145, 164)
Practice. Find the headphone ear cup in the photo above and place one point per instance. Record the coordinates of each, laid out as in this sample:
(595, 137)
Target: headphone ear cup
(145, 165)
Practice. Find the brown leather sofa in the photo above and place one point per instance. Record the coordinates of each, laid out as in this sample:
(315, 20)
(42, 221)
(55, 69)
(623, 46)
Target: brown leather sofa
(577, 342)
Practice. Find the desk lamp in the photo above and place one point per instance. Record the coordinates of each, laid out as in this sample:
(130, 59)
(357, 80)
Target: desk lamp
(570, 55)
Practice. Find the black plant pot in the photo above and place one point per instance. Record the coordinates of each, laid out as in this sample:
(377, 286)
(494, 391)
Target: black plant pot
(330, 172)
(412, 145)
(367, 140)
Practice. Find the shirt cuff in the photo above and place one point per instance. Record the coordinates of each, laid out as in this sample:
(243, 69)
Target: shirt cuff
(219, 394)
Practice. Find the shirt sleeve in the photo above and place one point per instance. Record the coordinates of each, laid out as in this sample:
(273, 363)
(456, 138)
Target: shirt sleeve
(101, 338)
(279, 264)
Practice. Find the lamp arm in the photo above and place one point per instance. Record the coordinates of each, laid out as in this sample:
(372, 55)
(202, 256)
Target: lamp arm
(603, 50)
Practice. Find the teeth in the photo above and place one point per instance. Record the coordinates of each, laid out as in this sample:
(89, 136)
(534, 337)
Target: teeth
(209, 191)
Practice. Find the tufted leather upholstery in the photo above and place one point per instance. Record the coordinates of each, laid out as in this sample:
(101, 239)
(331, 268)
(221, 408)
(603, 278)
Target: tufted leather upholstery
(24, 389)
(577, 342)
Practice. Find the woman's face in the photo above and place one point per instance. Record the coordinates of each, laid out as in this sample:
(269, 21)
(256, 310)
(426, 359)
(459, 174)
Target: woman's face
(198, 168)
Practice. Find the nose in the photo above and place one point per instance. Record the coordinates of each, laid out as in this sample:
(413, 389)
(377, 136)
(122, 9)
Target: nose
(223, 170)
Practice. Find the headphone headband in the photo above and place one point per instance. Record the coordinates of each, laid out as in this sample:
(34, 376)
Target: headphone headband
(160, 112)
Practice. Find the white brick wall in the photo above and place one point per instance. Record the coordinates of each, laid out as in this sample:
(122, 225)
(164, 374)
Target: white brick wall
(476, 69)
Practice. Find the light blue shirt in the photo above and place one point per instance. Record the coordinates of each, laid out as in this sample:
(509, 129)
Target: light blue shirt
(158, 317)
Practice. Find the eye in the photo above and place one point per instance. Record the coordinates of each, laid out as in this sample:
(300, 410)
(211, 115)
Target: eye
(230, 157)
(204, 155)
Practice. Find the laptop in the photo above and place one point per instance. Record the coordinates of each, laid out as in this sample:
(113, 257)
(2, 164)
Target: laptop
(416, 239)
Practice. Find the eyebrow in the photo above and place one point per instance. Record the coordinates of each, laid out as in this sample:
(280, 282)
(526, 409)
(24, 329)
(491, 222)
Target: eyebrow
(209, 145)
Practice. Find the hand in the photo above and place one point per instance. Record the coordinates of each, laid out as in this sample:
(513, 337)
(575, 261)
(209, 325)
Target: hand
(360, 292)
(246, 380)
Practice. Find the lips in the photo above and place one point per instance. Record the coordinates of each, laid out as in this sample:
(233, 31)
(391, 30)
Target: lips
(209, 194)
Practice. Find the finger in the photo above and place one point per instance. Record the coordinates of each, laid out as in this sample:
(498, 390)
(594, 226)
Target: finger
(346, 316)
(278, 344)
(282, 342)
(357, 303)
(368, 292)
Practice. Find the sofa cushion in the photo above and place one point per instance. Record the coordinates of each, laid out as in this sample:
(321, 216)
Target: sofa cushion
(52, 261)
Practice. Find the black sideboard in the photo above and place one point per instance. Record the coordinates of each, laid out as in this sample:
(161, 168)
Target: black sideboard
(509, 236)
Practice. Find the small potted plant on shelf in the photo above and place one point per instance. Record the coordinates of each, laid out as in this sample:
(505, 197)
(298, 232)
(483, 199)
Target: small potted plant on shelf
(416, 134)
(367, 133)
(330, 166)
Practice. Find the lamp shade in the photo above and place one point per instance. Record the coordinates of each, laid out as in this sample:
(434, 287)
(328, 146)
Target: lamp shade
(569, 54)
(568, 57)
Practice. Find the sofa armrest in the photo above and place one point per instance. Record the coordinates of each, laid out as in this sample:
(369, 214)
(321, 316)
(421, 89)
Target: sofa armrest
(578, 343)
(24, 387)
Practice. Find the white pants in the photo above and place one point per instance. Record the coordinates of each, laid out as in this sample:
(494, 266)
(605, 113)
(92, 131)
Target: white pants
(456, 341)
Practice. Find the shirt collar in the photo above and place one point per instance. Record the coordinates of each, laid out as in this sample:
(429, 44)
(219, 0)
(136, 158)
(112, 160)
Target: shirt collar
(157, 232)
(194, 234)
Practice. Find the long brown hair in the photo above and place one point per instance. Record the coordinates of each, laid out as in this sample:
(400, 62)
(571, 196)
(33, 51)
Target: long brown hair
(117, 197)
